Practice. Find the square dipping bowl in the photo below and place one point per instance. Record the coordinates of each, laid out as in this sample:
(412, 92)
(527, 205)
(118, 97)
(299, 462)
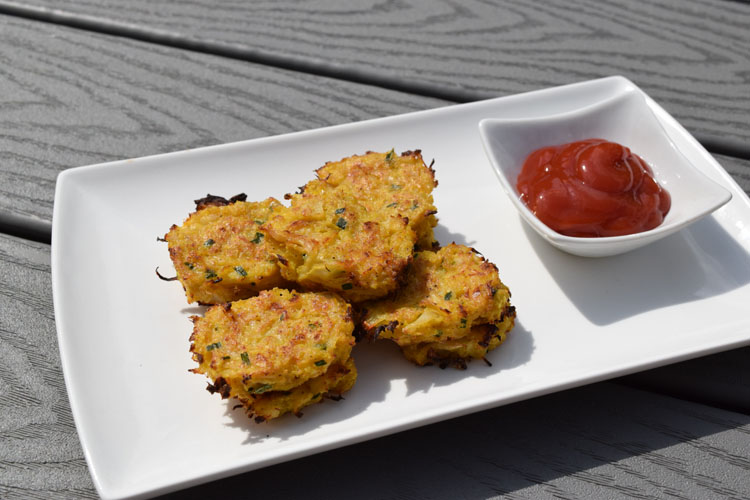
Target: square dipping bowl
(626, 119)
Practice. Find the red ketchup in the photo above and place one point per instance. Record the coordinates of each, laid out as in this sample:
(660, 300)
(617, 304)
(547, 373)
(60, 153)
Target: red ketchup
(592, 188)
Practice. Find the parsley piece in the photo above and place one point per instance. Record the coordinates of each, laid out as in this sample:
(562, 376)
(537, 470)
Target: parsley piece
(245, 358)
(395, 187)
(391, 205)
(226, 357)
(439, 333)
(320, 362)
(339, 210)
(240, 270)
(463, 322)
(341, 223)
(259, 222)
(347, 286)
(211, 347)
(208, 242)
(316, 396)
(389, 156)
(263, 388)
(190, 265)
(210, 274)
(448, 296)
(258, 238)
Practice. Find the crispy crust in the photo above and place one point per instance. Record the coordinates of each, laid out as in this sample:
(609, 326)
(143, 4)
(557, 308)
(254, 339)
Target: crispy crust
(338, 379)
(481, 340)
(446, 293)
(276, 341)
(451, 300)
(402, 184)
(353, 229)
(220, 253)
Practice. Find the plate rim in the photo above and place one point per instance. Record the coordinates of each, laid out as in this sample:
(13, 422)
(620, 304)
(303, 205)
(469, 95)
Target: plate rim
(67, 179)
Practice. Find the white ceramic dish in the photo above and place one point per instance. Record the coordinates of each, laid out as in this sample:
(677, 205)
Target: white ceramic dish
(626, 119)
(148, 426)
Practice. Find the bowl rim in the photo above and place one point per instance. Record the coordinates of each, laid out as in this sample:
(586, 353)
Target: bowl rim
(561, 117)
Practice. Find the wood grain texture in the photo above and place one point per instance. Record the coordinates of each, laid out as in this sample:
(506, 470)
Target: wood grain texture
(721, 380)
(692, 56)
(738, 169)
(601, 441)
(40, 455)
(72, 98)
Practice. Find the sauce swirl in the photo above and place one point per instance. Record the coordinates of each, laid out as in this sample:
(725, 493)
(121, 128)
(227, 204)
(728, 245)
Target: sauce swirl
(592, 188)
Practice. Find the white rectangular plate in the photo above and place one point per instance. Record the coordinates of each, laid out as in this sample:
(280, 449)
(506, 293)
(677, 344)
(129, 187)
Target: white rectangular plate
(147, 425)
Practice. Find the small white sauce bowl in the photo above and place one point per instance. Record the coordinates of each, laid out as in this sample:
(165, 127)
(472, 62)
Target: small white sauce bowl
(625, 119)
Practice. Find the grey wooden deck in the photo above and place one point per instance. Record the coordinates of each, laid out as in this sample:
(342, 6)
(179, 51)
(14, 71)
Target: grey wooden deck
(86, 82)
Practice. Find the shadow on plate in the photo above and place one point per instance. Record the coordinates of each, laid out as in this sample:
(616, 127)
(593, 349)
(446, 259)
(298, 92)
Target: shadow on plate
(379, 365)
(514, 352)
(366, 390)
(700, 261)
(194, 310)
(445, 237)
(602, 439)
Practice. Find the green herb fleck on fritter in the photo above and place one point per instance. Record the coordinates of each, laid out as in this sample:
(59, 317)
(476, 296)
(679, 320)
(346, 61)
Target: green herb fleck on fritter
(263, 388)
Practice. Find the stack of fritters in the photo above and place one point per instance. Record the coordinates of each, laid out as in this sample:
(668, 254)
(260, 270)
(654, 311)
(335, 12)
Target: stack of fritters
(362, 229)
(277, 352)
(452, 308)
(221, 254)
(353, 230)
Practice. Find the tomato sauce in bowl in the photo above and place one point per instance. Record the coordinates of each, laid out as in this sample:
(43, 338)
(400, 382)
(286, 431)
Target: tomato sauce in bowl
(592, 188)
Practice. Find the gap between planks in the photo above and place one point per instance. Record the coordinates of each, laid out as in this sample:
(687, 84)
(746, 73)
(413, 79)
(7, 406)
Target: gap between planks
(38, 230)
(718, 145)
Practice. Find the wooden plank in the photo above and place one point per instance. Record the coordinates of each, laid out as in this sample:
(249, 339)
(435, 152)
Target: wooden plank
(40, 455)
(721, 380)
(601, 441)
(738, 169)
(73, 98)
(690, 55)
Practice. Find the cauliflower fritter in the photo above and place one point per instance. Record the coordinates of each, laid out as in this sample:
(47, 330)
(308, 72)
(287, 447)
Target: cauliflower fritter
(353, 229)
(277, 340)
(480, 340)
(453, 303)
(403, 184)
(285, 346)
(335, 244)
(446, 293)
(338, 379)
(220, 253)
